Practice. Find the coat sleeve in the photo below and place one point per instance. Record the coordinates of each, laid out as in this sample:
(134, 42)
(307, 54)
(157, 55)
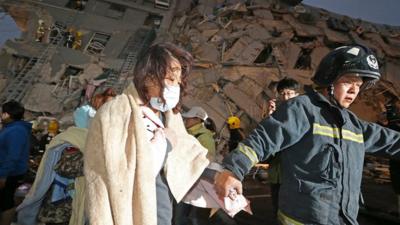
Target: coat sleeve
(381, 139)
(98, 202)
(284, 128)
(14, 147)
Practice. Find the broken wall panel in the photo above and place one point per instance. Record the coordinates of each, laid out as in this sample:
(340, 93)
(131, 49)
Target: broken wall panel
(258, 32)
(376, 39)
(392, 72)
(303, 30)
(292, 52)
(263, 14)
(38, 99)
(249, 87)
(242, 101)
(317, 54)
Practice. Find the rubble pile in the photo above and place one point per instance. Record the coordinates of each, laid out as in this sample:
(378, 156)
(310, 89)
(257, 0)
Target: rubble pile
(242, 49)
(376, 169)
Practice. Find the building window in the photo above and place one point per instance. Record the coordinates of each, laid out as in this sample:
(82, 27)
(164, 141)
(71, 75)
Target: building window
(162, 4)
(97, 43)
(153, 20)
(76, 4)
(116, 11)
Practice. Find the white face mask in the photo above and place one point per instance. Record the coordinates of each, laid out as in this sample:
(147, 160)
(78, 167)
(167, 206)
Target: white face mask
(171, 95)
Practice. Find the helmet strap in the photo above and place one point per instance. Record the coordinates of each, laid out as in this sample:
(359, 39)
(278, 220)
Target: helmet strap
(331, 96)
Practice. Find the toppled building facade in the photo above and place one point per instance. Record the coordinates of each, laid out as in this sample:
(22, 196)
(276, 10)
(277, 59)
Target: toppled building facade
(241, 49)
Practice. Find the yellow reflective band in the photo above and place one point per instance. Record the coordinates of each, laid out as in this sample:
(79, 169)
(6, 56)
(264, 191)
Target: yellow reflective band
(351, 136)
(250, 153)
(326, 131)
(335, 133)
(285, 220)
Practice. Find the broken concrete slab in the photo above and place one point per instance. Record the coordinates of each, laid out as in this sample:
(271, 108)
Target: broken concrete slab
(375, 38)
(236, 50)
(250, 53)
(207, 26)
(263, 14)
(207, 52)
(335, 36)
(303, 30)
(302, 76)
(258, 32)
(90, 72)
(242, 101)
(292, 52)
(39, 99)
(317, 54)
(201, 77)
(261, 75)
(356, 39)
(249, 87)
(209, 33)
(392, 72)
(239, 24)
(275, 25)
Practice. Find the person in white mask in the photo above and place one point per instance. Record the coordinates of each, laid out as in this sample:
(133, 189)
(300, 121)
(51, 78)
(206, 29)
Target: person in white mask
(139, 157)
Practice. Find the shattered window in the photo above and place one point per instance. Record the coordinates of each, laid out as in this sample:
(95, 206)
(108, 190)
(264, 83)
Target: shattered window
(162, 4)
(153, 20)
(97, 43)
(264, 55)
(116, 11)
(68, 83)
(72, 71)
(304, 60)
(76, 4)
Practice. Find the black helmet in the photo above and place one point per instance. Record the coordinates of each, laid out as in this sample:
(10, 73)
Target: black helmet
(348, 59)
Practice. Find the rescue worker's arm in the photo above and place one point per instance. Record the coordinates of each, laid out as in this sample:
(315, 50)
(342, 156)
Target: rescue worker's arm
(378, 138)
(284, 128)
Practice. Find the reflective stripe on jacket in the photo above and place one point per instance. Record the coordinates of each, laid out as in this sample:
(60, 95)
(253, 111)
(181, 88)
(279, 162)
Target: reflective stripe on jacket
(322, 154)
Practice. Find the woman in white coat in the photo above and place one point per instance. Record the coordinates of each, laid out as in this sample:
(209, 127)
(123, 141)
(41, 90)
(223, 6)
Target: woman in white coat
(139, 155)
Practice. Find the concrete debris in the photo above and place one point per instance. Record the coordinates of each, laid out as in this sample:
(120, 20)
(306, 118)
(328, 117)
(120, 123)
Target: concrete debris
(38, 100)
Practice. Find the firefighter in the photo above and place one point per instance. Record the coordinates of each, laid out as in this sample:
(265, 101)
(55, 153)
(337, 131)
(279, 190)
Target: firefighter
(40, 31)
(77, 41)
(321, 143)
(69, 38)
(235, 132)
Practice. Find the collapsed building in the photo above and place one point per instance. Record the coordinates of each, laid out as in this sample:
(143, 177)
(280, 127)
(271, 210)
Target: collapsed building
(70, 49)
(241, 49)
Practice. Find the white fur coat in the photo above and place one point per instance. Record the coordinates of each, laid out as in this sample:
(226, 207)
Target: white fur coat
(120, 182)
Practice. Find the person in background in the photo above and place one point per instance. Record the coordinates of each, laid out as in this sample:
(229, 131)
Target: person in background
(139, 154)
(392, 121)
(322, 143)
(195, 119)
(235, 132)
(57, 196)
(286, 89)
(14, 155)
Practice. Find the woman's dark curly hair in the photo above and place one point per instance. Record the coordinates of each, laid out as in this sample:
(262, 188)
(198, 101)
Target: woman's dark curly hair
(155, 64)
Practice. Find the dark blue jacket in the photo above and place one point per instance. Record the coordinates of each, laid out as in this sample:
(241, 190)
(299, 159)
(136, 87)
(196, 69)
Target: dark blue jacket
(14, 148)
(322, 153)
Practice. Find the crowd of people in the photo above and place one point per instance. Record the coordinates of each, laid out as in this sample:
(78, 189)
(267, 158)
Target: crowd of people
(136, 157)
